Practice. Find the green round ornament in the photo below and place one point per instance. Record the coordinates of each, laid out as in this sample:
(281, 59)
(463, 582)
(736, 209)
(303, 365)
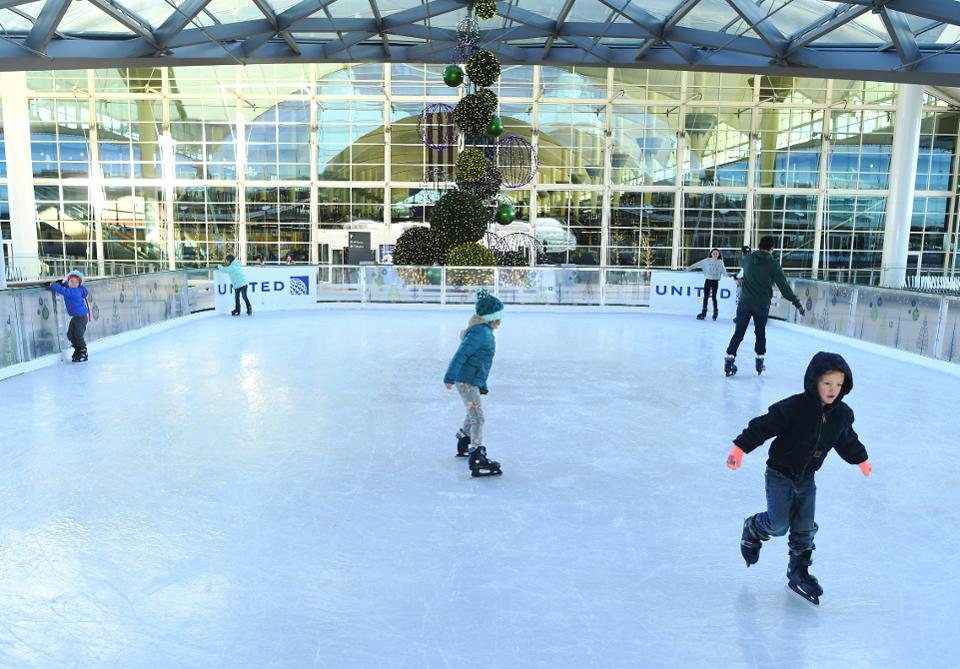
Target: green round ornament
(453, 75)
(495, 126)
(505, 214)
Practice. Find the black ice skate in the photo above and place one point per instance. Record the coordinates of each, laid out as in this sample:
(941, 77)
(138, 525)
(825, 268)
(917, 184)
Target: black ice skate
(480, 465)
(750, 543)
(715, 314)
(81, 355)
(249, 312)
(729, 368)
(800, 580)
(463, 444)
(760, 365)
(702, 316)
(76, 355)
(235, 312)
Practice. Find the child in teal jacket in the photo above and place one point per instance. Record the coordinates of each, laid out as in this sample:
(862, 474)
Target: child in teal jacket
(238, 278)
(469, 370)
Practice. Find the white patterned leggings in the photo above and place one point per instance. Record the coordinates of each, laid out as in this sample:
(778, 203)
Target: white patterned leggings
(473, 424)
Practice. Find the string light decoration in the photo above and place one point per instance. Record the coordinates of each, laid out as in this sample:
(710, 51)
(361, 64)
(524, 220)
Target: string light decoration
(437, 127)
(483, 68)
(489, 99)
(458, 217)
(471, 165)
(516, 161)
(485, 165)
(418, 246)
(486, 9)
(472, 113)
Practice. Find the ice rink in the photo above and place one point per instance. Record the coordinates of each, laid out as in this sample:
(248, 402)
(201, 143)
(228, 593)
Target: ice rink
(280, 491)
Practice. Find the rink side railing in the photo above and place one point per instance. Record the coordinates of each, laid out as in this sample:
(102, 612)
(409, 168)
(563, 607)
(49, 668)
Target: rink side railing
(908, 320)
(33, 321)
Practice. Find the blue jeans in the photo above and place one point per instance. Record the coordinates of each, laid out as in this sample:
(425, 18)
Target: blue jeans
(790, 506)
(759, 315)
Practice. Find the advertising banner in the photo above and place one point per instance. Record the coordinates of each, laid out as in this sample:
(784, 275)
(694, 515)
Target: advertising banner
(682, 293)
(269, 287)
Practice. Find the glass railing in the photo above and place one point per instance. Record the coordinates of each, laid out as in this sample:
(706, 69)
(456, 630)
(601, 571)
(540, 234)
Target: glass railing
(33, 321)
(592, 286)
(903, 319)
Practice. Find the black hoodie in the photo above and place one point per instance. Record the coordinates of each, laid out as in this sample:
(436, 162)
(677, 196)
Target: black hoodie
(805, 428)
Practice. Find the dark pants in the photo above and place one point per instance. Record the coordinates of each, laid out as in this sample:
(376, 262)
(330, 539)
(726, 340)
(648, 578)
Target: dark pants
(759, 315)
(710, 288)
(236, 297)
(790, 506)
(75, 331)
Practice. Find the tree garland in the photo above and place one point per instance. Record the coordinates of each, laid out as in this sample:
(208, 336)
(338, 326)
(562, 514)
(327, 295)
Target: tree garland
(489, 99)
(483, 68)
(472, 164)
(418, 246)
(458, 217)
(486, 9)
(472, 113)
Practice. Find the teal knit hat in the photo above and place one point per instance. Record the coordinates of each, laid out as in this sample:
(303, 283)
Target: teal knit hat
(489, 308)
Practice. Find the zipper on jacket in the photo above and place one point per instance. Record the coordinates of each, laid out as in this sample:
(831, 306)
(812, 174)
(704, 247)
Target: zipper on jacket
(816, 445)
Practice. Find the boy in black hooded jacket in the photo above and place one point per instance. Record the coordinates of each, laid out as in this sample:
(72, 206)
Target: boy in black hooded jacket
(806, 427)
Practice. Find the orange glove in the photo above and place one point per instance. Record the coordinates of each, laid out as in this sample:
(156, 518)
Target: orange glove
(865, 467)
(735, 457)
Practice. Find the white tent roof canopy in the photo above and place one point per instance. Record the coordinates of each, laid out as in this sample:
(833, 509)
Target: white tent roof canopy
(893, 40)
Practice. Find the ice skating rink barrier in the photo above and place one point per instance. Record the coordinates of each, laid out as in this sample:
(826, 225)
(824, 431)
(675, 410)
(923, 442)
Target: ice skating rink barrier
(911, 321)
(33, 322)
(907, 320)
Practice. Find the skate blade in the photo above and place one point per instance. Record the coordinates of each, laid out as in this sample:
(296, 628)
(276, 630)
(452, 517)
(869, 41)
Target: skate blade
(477, 473)
(808, 597)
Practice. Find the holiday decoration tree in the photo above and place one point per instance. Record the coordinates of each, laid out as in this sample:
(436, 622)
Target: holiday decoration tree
(463, 215)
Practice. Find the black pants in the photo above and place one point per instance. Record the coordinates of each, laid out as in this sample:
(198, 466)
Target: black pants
(759, 315)
(236, 298)
(710, 288)
(75, 331)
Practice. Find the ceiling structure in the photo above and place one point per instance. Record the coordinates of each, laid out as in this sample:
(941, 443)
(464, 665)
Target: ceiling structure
(914, 41)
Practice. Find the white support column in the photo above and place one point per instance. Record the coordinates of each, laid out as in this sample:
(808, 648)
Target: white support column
(23, 206)
(606, 216)
(903, 176)
(822, 187)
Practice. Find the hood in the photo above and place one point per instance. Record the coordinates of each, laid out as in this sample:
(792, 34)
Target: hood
(74, 272)
(758, 259)
(822, 363)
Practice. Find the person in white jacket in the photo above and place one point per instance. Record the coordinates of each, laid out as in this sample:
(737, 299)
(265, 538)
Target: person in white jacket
(713, 270)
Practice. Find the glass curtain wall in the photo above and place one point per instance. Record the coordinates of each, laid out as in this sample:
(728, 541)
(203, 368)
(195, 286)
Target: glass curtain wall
(637, 168)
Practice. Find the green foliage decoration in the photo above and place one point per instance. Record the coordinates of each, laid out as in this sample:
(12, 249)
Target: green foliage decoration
(472, 164)
(483, 68)
(458, 217)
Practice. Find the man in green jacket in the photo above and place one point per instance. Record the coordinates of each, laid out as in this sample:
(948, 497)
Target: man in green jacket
(760, 271)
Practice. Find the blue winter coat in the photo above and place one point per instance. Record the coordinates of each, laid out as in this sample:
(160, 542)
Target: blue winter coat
(235, 270)
(74, 298)
(472, 361)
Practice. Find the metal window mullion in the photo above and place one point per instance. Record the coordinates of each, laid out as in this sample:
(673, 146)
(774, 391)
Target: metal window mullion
(825, 139)
(241, 183)
(605, 214)
(387, 149)
(749, 214)
(678, 177)
(314, 148)
(535, 142)
(167, 166)
(95, 183)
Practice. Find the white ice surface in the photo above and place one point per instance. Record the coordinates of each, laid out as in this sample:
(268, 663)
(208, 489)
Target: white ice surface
(280, 491)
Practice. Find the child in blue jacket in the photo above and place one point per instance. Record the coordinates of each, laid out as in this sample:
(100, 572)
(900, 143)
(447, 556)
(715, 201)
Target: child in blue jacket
(469, 370)
(74, 295)
(238, 278)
